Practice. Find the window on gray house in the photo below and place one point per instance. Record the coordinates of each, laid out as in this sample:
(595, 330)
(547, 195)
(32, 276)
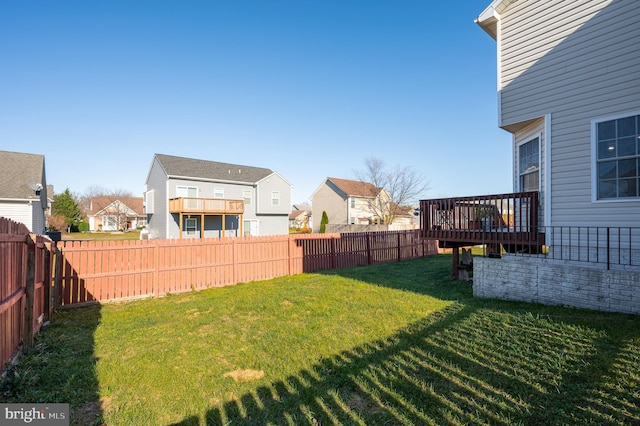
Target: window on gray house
(190, 226)
(529, 165)
(275, 198)
(246, 194)
(618, 158)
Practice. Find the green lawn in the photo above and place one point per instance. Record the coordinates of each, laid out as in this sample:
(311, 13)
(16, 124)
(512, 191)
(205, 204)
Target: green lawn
(396, 344)
(129, 235)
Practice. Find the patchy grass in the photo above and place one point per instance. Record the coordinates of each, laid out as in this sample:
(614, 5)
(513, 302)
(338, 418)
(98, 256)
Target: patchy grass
(386, 344)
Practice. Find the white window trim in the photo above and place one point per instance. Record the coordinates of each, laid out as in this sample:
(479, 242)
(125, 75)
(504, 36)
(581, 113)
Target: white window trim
(187, 188)
(109, 218)
(245, 197)
(195, 226)
(251, 221)
(594, 159)
(275, 195)
(518, 175)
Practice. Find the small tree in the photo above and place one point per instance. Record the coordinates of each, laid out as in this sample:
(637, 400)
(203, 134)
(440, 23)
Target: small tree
(324, 222)
(65, 205)
(57, 222)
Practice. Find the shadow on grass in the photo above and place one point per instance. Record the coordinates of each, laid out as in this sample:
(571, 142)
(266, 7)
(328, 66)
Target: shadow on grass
(60, 368)
(446, 370)
(466, 364)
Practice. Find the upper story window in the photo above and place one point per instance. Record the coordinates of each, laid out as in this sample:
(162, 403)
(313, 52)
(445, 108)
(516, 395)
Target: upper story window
(529, 165)
(246, 195)
(191, 195)
(218, 192)
(618, 158)
(187, 191)
(275, 198)
(352, 200)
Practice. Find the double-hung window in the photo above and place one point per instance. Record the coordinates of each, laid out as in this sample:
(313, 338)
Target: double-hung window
(191, 226)
(246, 195)
(275, 198)
(529, 165)
(618, 158)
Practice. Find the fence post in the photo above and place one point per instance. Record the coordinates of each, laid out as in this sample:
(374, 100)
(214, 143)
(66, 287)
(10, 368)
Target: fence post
(233, 261)
(399, 248)
(57, 276)
(290, 254)
(29, 292)
(369, 258)
(333, 253)
(156, 269)
(47, 282)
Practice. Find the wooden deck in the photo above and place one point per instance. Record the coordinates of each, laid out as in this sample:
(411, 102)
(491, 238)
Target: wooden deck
(507, 221)
(207, 206)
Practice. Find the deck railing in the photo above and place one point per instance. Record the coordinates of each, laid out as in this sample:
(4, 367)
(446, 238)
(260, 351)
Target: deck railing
(507, 219)
(206, 205)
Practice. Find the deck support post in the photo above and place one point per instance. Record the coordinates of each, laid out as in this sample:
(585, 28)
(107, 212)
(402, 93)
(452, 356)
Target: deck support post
(456, 261)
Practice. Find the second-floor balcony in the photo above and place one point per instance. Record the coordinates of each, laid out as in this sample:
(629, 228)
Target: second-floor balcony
(206, 206)
(507, 221)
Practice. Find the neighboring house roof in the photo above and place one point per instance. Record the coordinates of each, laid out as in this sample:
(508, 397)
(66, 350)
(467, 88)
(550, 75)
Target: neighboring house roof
(303, 207)
(356, 188)
(99, 204)
(20, 174)
(296, 213)
(192, 168)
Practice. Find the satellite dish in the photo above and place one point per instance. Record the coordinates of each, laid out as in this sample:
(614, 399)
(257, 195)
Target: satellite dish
(35, 186)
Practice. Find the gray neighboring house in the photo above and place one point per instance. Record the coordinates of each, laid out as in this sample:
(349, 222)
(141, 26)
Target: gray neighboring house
(194, 198)
(569, 93)
(23, 189)
(346, 202)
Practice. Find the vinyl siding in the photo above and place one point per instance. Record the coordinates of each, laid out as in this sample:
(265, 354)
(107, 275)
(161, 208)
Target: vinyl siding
(157, 222)
(37, 218)
(264, 189)
(326, 199)
(576, 61)
(17, 211)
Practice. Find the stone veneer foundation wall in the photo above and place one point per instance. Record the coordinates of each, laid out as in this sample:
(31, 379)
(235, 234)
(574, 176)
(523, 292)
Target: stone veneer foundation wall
(557, 282)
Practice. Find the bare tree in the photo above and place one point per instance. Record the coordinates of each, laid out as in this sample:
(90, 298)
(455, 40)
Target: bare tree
(99, 191)
(400, 187)
(118, 214)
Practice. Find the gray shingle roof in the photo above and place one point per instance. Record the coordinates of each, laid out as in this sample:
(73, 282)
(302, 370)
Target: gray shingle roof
(17, 171)
(211, 170)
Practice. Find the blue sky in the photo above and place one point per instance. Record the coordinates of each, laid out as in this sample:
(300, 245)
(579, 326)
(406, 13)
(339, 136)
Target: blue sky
(308, 89)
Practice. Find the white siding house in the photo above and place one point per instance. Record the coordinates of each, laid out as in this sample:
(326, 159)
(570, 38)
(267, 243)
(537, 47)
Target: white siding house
(23, 189)
(193, 198)
(569, 92)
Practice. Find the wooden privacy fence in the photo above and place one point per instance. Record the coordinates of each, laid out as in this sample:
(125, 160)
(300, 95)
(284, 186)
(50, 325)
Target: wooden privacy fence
(101, 271)
(25, 285)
